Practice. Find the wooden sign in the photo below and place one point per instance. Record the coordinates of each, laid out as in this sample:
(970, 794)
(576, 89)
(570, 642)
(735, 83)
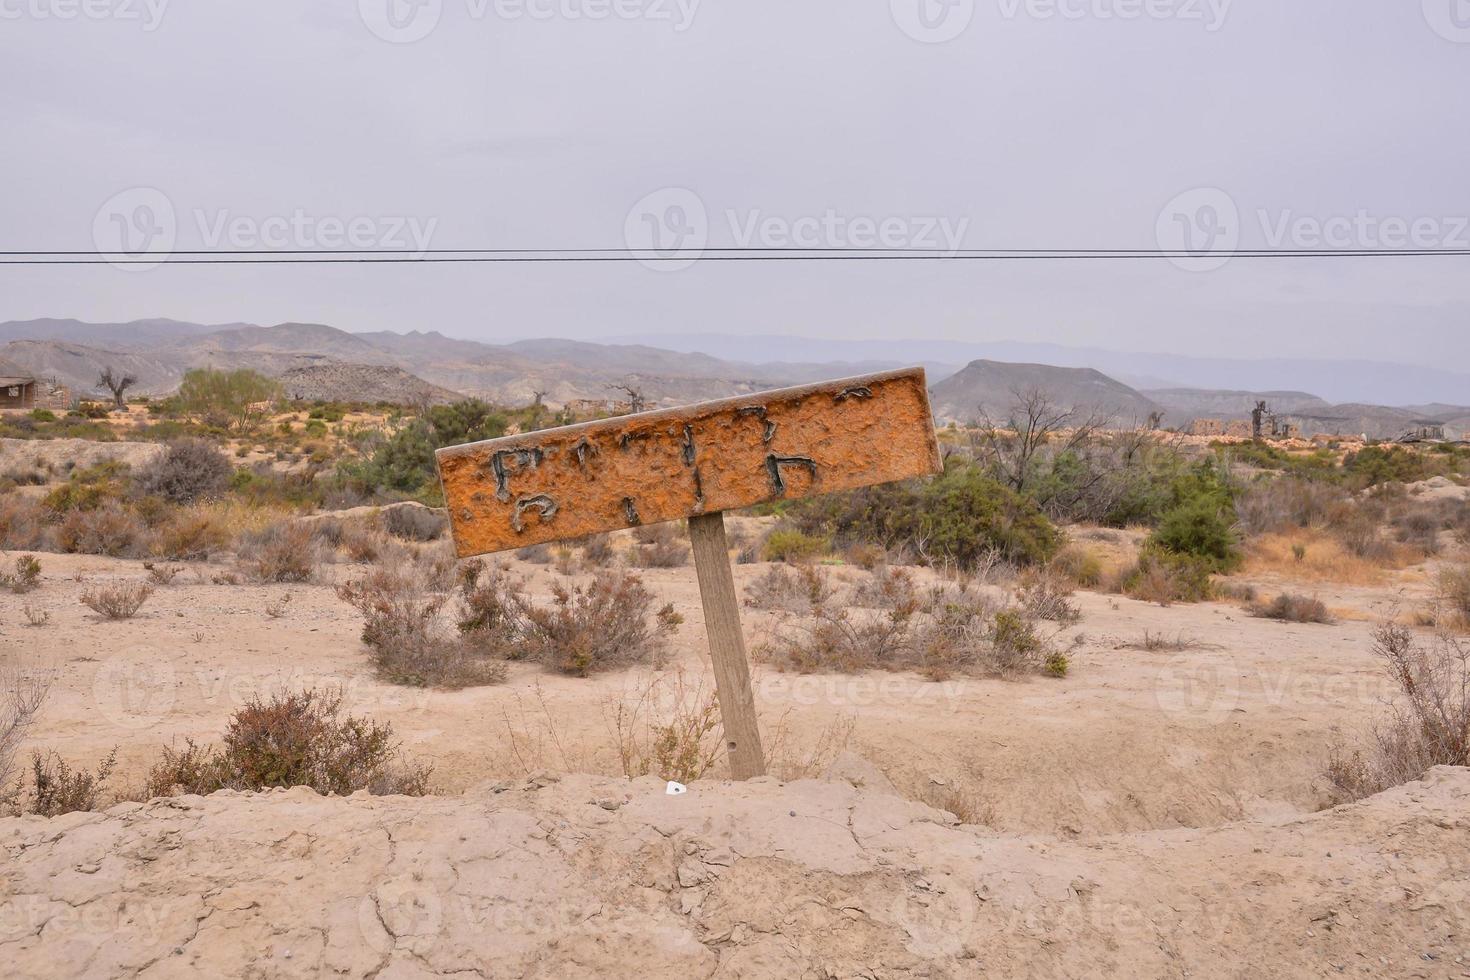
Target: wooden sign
(694, 462)
(682, 462)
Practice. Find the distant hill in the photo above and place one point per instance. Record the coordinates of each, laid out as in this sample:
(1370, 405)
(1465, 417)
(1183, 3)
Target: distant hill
(1184, 404)
(110, 336)
(991, 388)
(363, 382)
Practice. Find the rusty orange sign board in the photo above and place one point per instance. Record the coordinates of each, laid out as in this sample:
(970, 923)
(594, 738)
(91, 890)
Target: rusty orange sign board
(680, 462)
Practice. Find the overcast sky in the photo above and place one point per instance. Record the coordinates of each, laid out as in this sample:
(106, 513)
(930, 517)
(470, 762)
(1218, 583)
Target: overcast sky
(539, 123)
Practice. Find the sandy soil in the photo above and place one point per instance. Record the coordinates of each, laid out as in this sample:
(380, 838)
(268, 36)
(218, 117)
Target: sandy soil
(594, 877)
(1236, 725)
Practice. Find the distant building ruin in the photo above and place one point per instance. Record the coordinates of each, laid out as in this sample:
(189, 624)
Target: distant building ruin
(20, 391)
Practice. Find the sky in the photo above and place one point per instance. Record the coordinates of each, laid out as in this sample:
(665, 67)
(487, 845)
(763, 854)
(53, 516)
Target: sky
(150, 125)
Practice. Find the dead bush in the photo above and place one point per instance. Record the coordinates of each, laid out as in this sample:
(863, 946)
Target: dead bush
(287, 551)
(362, 544)
(1044, 594)
(408, 644)
(121, 600)
(1290, 608)
(888, 588)
(190, 535)
(1427, 725)
(1281, 503)
(662, 533)
(189, 470)
(27, 575)
(1161, 642)
(412, 522)
(664, 553)
(56, 788)
(670, 727)
(162, 574)
(607, 623)
(536, 554)
(789, 589)
(1452, 588)
(939, 633)
(108, 529)
(293, 739)
(1362, 536)
(22, 692)
(1078, 565)
(35, 617)
(23, 524)
(598, 551)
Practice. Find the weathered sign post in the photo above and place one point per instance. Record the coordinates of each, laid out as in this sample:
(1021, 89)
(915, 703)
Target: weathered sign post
(694, 462)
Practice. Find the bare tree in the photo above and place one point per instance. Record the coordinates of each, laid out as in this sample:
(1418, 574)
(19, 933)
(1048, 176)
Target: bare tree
(636, 400)
(1034, 422)
(117, 384)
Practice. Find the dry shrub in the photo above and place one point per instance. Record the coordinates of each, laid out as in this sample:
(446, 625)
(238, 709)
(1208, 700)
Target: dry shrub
(967, 803)
(1044, 594)
(605, 624)
(1282, 503)
(27, 575)
(866, 555)
(287, 551)
(669, 727)
(788, 589)
(1452, 588)
(1362, 536)
(598, 551)
(402, 630)
(945, 631)
(362, 544)
(56, 788)
(108, 529)
(190, 470)
(191, 535)
(22, 692)
(888, 588)
(1078, 565)
(23, 525)
(667, 552)
(1417, 526)
(293, 739)
(536, 554)
(1156, 642)
(162, 574)
(412, 522)
(1427, 725)
(566, 561)
(1164, 579)
(121, 600)
(1290, 608)
(35, 617)
(662, 533)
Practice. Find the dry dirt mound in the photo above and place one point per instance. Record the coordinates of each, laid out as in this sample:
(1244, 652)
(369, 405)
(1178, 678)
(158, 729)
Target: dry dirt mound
(595, 877)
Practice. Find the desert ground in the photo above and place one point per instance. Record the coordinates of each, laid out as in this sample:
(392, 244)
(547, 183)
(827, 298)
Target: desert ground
(1157, 799)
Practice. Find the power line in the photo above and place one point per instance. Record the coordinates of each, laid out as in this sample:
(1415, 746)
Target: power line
(709, 254)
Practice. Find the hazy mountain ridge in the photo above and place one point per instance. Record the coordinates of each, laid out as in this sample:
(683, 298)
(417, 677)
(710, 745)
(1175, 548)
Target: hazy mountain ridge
(989, 389)
(158, 352)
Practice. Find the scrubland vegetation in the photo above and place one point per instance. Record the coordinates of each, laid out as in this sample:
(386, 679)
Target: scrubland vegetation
(251, 489)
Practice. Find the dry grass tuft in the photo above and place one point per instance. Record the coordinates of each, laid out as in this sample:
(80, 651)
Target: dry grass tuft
(1323, 559)
(1428, 724)
(119, 601)
(1289, 608)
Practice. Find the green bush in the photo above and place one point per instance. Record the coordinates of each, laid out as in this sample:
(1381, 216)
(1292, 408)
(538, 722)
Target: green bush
(791, 545)
(962, 516)
(229, 399)
(1201, 529)
(404, 463)
(43, 415)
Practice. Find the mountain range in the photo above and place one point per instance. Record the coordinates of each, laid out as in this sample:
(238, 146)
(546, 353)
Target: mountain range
(321, 361)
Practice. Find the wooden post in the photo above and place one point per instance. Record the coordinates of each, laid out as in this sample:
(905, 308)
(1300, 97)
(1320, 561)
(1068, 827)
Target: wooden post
(726, 644)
